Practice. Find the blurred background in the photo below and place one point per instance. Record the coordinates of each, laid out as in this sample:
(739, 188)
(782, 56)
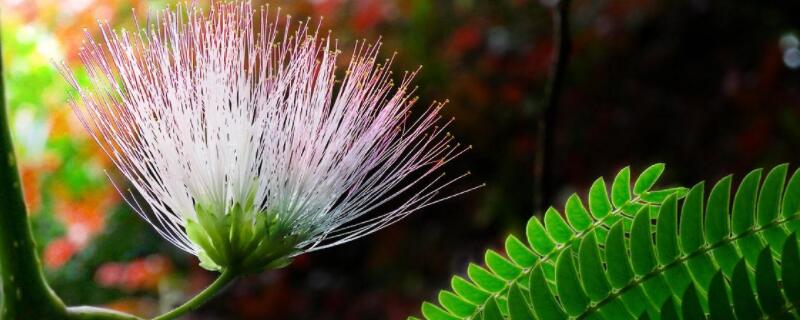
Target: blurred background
(708, 87)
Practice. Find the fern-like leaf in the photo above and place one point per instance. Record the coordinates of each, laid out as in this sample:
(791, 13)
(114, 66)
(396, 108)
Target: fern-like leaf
(764, 297)
(642, 254)
(553, 238)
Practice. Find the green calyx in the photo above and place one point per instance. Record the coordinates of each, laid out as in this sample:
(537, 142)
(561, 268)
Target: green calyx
(244, 239)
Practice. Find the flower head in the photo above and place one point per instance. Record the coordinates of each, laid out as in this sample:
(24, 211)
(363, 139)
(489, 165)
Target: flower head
(244, 141)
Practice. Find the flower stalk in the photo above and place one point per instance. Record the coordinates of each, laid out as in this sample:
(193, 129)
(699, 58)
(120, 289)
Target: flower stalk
(225, 278)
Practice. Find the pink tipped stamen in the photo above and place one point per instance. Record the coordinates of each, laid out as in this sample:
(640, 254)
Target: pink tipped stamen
(209, 109)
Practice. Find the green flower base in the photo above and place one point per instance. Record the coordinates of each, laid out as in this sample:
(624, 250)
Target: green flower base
(244, 239)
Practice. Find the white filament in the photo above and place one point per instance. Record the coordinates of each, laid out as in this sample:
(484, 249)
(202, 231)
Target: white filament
(213, 109)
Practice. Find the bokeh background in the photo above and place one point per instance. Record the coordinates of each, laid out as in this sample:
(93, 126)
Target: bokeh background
(708, 87)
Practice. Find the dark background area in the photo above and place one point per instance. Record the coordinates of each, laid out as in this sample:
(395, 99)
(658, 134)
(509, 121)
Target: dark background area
(702, 86)
(707, 87)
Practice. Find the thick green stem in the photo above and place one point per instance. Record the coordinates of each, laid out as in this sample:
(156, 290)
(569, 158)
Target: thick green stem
(225, 278)
(26, 294)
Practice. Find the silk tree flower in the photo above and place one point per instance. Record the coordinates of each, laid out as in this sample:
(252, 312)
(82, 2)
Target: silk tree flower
(246, 143)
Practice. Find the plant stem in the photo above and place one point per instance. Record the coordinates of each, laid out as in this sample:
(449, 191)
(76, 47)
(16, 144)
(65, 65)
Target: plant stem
(543, 166)
(26, 294)
(225, 278)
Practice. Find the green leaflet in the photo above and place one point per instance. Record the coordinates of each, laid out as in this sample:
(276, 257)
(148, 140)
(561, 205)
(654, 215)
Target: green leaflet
(690, 306)
(485, 279)
(569, 287)
(718, 303)
(519, 252)
(684, 255)
(468, 291)
(641, 245)
(717, 219)
(791, 198)
(591, 269)
(432, 312)
(538, 238)
(492, 311)
(667, 231)
(667, 241)
(619, 267)
(768, 207)
(648, 178)
(769, 294)
(621, 188)
(790, 260)
(455, 304)
(745, 305)
(559, 230)
(691, 234)
(668, 310)
(577, 215)
(598, 199)
(518, 307)
(501, 266)
(743, 216)
(542, 299)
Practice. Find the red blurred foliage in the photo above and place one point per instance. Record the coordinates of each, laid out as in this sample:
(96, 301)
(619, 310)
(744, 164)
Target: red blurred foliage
(138, 275)
(325, 7)
(30, 188)
(85, 217)
(464, 38)
(58, 252)
(276, 301)
(368, 14)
